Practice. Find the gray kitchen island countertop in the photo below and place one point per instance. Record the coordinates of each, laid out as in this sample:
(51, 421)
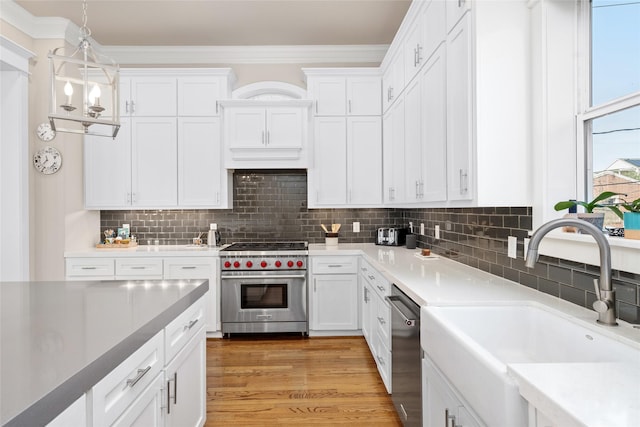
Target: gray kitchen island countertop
(58, 339)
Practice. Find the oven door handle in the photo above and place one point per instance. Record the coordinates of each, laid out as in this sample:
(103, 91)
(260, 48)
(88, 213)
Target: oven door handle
(281, 276)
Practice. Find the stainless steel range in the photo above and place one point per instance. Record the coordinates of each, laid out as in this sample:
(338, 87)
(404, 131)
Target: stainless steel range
(263, 287)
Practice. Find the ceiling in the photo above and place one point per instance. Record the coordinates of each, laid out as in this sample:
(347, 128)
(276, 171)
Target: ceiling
(231, 22)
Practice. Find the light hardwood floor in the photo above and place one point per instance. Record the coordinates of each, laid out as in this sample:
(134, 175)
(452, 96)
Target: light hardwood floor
(294, 381)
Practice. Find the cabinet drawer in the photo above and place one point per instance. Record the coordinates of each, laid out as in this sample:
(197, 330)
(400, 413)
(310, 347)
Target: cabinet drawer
(115, 392)
(145, 268)
(378, 282)
(183, 327)
(383, 321)
(93, 268)
(188, 268)
(334, 265)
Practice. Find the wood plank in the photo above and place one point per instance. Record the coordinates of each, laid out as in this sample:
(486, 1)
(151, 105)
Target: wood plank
(281, 380)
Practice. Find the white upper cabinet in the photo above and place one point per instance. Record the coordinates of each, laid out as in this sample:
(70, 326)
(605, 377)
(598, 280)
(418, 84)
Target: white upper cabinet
(199, 95)
(393, 154)
(347, 169)
(146, 96)
(156, 161)
(426, 32)
(393, 80)
(465, 97)
(344, 91)
(459, 112)
(266, 134)
(202, 179)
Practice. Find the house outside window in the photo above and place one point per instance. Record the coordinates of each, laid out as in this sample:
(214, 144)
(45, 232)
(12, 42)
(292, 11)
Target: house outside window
(609, 124)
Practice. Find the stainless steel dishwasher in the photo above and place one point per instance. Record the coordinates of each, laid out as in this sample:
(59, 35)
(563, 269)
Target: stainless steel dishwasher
(406, 358)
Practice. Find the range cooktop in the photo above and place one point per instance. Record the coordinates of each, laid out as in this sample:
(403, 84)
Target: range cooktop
(266, 246)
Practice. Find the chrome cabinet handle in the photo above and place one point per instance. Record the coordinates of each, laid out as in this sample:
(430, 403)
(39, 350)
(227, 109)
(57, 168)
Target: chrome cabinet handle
(190, 325)
(380, 359)
(381, 288)
(366, 295)
(126, 106)
(391, 93)
(188, 267)
(268, 137)
(464, 181)
(372, 277)
(141, 373)
(381, 320)
(349, 106)
(263, 143)
(138, 267)
(88, 268)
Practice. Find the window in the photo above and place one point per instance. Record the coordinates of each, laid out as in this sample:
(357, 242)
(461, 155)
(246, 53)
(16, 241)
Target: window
(610, 124)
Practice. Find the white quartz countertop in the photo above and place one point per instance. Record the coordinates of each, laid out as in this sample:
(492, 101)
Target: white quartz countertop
(58, 339)
(573, 394)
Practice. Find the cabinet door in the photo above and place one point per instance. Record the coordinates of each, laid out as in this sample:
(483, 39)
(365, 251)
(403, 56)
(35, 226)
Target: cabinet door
(245, 127)
(329, 173)
(364, 153)
(75, 415)
(199, 96)
(459, 112)
(368, 312)
(186, 379)
(413, 142)
(433, 27)
(363, 96)
(146, 410)
(329, 94)
(200, 169)
(154, 162)
(393, 154)
(393, 80)
(107, 169)
(434, 128)
(413, 50)
(285, 128)
(335, 302)
(154, 96)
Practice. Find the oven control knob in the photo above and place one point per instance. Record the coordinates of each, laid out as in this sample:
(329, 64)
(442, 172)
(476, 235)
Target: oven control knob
(289, 264)
(299, 264)
(227, 264)
(263, 264)
(236, 264)
(278, 264)
(249, 264)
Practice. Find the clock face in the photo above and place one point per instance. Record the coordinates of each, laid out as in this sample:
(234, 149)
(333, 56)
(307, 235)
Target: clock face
(45, 132)
(47, 160)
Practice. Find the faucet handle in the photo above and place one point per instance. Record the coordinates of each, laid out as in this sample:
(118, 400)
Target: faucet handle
(600, 305)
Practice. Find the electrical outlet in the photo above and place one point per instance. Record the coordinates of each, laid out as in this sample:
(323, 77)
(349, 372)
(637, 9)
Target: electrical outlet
(422, 228)
(437, 232)
(356, 227)
(512, 246)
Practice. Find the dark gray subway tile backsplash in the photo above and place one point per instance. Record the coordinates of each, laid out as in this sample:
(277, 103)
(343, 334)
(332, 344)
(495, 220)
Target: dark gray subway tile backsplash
(272, 205)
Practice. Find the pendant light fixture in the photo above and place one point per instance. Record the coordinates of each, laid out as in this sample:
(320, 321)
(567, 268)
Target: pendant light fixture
(84, 89)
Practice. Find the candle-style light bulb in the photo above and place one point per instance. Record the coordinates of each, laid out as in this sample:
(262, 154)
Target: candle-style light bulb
(68, 90)
(94, 95)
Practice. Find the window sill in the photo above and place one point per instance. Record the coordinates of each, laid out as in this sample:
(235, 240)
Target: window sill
(582, 248)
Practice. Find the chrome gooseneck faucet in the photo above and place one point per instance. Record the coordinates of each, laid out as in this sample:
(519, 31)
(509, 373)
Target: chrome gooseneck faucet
(605, 305)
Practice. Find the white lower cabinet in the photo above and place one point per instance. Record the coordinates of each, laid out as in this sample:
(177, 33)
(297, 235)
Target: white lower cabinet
(538, 419)
(441, 406)
(186, 385)
(162, 384)
(334, 301)
(376, 315)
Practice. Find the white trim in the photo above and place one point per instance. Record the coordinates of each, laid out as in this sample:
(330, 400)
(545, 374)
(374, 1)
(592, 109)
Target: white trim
(36, 27)
(269, 88)
(266, 103)
(14, 56)
(370, 54)
(618, 104)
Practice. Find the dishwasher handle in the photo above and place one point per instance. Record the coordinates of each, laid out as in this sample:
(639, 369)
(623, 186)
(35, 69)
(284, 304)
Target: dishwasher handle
(394, 302)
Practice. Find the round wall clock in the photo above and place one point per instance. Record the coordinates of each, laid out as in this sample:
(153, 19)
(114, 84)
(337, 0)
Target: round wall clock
(47, 160)
(45, 132)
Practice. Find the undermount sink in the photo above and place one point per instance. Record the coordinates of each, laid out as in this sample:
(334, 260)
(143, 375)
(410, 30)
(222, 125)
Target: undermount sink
(472, 346)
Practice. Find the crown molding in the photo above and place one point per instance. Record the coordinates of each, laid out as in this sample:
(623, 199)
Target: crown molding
(371, 54)
(37, 28)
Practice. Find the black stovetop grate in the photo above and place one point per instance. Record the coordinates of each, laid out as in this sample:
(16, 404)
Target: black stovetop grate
(267, 246)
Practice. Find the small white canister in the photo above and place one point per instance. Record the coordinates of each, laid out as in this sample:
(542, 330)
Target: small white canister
(331, 239)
